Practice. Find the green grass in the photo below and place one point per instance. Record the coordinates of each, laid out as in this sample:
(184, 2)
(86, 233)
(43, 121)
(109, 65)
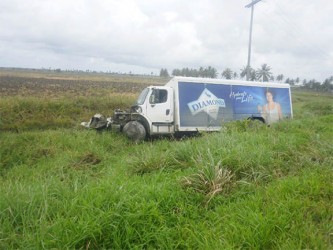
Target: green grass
(67, 187)
(33, 113)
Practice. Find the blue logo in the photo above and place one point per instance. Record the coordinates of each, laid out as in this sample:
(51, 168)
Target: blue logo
(207, 102)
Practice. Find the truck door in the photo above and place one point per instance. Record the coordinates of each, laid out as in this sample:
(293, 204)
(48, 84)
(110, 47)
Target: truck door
(160, 110)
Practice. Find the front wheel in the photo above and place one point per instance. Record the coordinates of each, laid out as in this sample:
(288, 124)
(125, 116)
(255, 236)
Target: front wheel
(135, 131)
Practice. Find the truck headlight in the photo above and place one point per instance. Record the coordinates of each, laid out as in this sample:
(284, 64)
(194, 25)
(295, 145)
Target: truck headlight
(137, 109)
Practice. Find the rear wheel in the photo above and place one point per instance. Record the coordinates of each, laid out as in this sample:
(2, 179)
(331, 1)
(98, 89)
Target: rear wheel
(135, 131)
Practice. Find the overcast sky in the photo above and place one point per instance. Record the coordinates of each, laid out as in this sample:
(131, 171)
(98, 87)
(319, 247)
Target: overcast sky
(294, 37)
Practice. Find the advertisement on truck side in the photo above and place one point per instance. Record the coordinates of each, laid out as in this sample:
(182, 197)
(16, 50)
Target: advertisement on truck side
(210, 105)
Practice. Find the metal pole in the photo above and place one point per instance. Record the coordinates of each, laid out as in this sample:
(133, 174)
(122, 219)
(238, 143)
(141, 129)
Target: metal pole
(250, 39)
(249, 50)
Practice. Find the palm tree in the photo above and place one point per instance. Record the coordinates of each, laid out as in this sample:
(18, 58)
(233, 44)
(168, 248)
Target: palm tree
(280, 77)
(212, 72)
(297, 80)
(264, 73)
(252, 73)
(244, 72)
(227, 73)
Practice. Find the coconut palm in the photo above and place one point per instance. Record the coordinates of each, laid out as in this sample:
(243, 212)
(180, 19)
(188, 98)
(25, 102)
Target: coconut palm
(252, 75)
(212, 72)
(227, 73)
(264, 73)
(280, 77)
(247, 70)
(243, 72)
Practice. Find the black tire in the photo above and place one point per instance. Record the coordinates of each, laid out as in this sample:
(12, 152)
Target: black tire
(135, 131)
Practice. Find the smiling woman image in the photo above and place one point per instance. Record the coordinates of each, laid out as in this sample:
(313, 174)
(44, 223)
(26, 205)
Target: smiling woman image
(271, 111)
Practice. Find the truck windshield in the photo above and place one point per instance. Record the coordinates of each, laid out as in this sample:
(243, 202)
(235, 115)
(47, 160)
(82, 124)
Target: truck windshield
(142, 96)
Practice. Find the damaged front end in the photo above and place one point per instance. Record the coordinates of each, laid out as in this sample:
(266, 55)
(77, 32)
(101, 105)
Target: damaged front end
(133, 122)
(119, 119)
(98, 122)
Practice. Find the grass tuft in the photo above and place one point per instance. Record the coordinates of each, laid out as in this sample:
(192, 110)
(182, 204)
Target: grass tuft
(87, 159)
(210, 180)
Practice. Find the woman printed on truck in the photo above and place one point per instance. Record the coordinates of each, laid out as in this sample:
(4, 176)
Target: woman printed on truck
(271, 111)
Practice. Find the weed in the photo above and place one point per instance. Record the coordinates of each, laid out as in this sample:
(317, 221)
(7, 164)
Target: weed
(210, 180)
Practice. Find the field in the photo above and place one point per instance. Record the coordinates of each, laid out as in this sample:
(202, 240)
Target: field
(62, 186)
(39, 100)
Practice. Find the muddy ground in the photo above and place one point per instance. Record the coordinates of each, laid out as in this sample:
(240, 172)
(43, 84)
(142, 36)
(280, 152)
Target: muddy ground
(41, 84)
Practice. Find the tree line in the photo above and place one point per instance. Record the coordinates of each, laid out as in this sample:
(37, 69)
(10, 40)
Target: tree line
(209, 72)
(263, 74)
(326, 86)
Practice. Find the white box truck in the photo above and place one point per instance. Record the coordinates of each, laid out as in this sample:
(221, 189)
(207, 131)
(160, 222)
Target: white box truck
(189, 105)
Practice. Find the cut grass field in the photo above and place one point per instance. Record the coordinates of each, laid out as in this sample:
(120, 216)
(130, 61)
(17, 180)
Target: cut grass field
(245, 187)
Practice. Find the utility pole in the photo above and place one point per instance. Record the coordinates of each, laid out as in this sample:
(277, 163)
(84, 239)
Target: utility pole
(250, 38)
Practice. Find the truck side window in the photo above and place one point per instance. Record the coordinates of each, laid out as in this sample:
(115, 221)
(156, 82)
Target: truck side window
(158, 96)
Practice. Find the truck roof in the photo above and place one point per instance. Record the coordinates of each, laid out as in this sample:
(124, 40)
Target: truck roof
(226, 82)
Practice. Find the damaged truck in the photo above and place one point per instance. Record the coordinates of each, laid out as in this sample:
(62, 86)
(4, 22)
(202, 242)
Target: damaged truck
(187, 105)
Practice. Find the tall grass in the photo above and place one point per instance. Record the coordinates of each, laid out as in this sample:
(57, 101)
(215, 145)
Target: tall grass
(26, 113)
(73, 188)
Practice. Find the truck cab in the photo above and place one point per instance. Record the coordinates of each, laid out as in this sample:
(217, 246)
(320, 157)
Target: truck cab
(156, 104)
(153, 112)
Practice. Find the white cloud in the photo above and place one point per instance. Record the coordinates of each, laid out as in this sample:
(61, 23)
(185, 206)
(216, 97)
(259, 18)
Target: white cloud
(293, 37)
